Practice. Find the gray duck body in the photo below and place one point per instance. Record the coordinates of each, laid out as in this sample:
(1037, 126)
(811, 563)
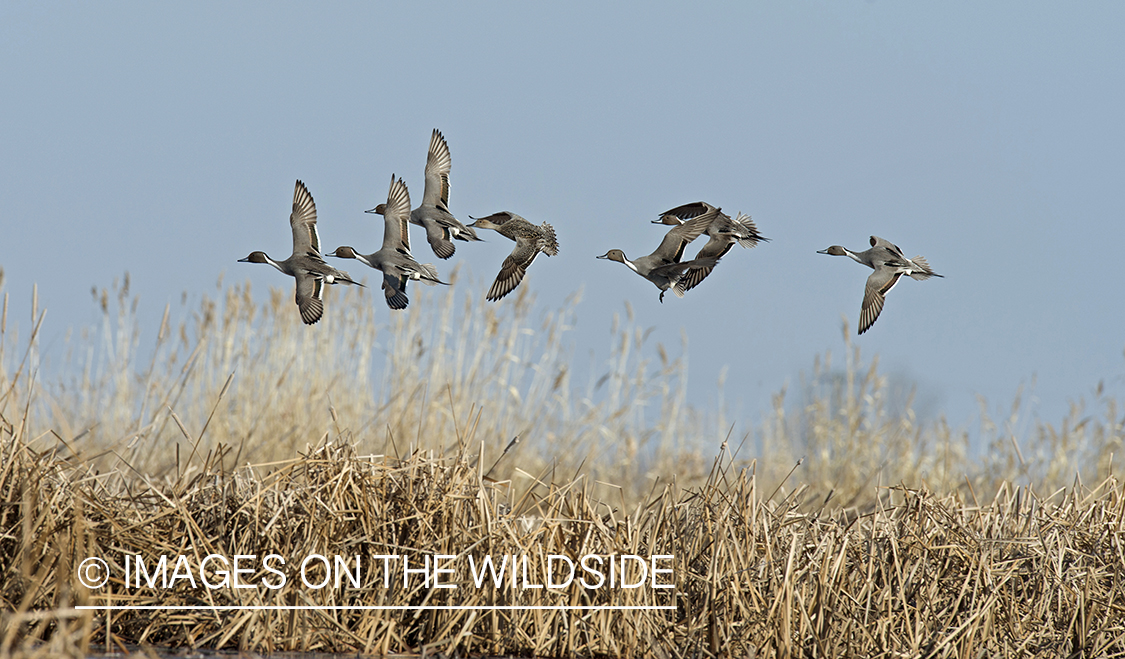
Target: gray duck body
(305, 265)
(723, 233)
(433, 213)
(394, 259)
(663, 266)
(889, 264)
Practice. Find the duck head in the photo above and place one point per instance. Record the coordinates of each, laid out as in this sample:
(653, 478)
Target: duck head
(614, 255)
(255, 257)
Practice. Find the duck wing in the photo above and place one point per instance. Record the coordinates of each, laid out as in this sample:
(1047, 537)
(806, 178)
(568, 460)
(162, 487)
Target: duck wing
(501, 218)
(677, 238)
(303, 221)
(310, 297)
(876, 241)
(438, 164)
(396, 216)
(438, 236)
(695, 276)
(394, 290)
(513, 269)
(874, 294)
(688, 211)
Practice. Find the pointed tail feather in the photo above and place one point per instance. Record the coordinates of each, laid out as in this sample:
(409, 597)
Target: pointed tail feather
(428, 275)
(752, 237)
(926, 272)
(467, 234)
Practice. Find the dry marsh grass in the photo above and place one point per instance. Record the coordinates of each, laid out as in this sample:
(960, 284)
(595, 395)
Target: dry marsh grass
(893, 537)
(253, 380)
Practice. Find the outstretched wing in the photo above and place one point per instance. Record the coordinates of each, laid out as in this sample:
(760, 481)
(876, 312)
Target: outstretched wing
(310, 298)
(694, 277)
(677, 238)
(876, 241)
(513, 269)
(438, 164)
(498, 219)
(394, 290)
(396, 216)
(303, 221)
(874, 294)
(688, 211)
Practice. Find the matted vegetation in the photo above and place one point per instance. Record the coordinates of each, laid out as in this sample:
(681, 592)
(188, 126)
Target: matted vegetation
(882, 542)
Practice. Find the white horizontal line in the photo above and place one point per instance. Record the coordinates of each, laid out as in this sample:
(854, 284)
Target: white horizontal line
(607, 607)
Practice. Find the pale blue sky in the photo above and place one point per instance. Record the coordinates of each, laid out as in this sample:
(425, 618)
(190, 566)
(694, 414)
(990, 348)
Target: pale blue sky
(164, 138)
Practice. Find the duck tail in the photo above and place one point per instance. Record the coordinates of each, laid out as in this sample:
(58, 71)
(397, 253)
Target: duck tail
(429, 275)
(751, 237)
(926, 271)
(549, 243)
(344, 278)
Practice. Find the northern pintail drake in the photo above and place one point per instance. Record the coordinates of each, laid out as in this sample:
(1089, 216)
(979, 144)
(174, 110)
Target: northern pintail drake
(742, 229)
(889, 264)
(663, 267)
(394, 258)
(305, 265)
(433, 213)
(723, 231)
(530, 240)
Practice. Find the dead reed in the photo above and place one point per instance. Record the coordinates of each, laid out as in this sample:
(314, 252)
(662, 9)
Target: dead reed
(918, 575)
(228, 441)
(241, 370)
